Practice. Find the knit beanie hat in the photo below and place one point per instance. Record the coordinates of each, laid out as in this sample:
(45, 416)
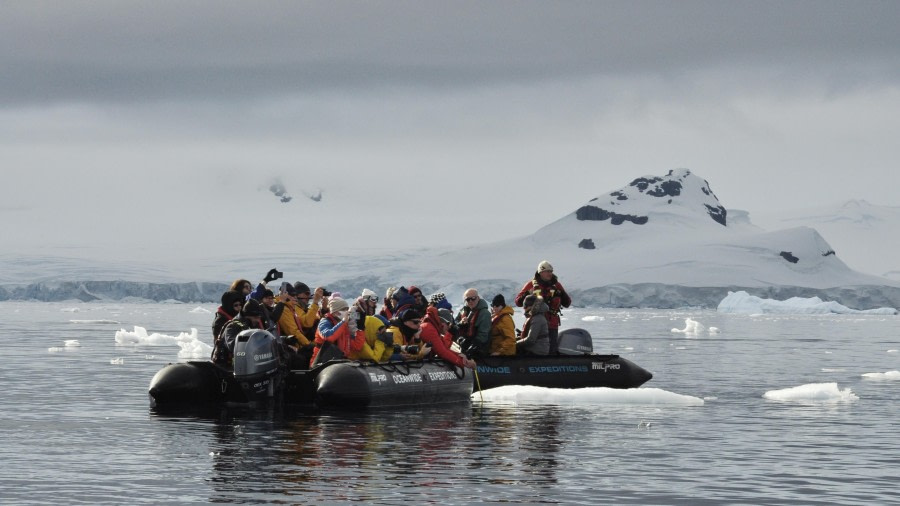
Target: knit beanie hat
(498, 300)
(410, 314)
(529, 300)
(252, 308)
(446, 315)
(289, 288)
(230, 297)
(544, 266)
(337, 304)
(301, 288)
(436, 298)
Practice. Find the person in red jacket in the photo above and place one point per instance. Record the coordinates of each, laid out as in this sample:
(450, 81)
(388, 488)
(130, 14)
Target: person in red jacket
(339, 328)
(434, 330)
(547, 286)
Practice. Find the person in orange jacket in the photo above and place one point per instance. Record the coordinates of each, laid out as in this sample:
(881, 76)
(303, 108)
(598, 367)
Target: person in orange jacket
(503, 328)
(340, 329)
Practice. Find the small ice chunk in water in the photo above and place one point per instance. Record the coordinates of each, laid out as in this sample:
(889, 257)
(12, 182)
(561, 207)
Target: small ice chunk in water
(72, 343)
(691, 328)
(882, 376)
(117, 361)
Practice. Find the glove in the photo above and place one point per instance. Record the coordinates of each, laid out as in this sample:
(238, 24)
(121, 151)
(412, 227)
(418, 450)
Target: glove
(361, 321)
(270, 276)
(387, 338)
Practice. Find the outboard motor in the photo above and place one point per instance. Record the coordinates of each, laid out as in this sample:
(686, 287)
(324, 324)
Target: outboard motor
(575, 342)
(256, 364)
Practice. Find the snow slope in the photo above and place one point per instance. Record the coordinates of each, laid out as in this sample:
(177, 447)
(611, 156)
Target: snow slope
(659, 241)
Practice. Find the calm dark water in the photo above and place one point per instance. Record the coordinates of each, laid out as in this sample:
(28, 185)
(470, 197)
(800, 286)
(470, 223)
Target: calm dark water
(76, 428)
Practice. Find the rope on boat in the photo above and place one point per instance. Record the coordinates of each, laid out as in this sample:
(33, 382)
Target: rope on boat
(478, 382)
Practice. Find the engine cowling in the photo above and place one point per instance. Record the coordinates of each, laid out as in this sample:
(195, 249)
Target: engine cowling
(257, 364)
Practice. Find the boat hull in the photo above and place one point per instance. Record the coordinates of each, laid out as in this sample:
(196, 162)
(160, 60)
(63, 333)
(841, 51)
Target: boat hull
(340, 384)
(561, 371)
(366, 385)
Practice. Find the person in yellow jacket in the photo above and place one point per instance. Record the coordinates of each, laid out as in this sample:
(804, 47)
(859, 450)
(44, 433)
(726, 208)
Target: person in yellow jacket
(379, 346)
(295, 318)
(503, 328)
(406, 329)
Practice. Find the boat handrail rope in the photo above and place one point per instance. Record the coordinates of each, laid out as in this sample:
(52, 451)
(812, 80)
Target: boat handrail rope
(478, 383)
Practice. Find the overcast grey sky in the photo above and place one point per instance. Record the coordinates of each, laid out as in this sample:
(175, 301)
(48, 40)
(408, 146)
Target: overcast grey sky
(160, 124)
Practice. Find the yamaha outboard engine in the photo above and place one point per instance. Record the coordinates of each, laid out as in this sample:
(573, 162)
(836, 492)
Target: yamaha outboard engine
(256, 364)
(575, 342)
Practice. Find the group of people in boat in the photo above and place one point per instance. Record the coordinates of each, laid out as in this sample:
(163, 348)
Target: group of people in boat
(314, 326)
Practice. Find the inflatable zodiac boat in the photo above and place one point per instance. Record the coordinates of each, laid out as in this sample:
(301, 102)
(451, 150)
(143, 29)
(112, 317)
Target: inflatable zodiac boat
(258, 378)
(576, 366)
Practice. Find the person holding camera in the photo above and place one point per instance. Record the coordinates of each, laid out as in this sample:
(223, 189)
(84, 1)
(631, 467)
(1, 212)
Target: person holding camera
(308, 311)
(406, 329)
(339, 328)
(291, 321)
(434, 331)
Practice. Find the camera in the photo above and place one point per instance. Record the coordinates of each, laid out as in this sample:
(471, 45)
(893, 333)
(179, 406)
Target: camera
(326, 293)
(412, 349)
(276, 274)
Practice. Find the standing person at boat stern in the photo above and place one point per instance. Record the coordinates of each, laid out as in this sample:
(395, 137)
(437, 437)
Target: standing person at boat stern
(474, 324)
(546, 285)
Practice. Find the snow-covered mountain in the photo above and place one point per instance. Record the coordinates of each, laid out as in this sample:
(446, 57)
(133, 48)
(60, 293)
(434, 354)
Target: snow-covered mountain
(864, 235)
(658, 241)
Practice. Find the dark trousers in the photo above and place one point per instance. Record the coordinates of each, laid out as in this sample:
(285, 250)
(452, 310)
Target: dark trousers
(554, 345)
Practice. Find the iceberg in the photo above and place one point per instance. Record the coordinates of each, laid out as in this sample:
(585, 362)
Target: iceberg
(743, 303)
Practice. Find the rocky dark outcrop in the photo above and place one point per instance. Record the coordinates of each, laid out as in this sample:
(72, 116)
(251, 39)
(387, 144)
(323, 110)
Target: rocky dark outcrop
(718, 214)
(587, 244)
(594, 213)
(787, 255)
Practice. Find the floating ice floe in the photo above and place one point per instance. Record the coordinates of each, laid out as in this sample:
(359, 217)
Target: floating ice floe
(882, 376)
(812, 392)
(72, 343)
(200, 310)
(190, 344)
(743, 303)
(70, 310)
(592, 318)
(110, 322)
(117, 361)
(519, 394)
(694, 328)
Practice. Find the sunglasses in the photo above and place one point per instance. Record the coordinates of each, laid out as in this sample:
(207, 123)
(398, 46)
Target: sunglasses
(371, 298)
(470, 299)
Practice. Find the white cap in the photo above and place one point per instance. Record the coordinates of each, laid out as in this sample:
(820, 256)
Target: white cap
(544, 266)
(368, 293)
